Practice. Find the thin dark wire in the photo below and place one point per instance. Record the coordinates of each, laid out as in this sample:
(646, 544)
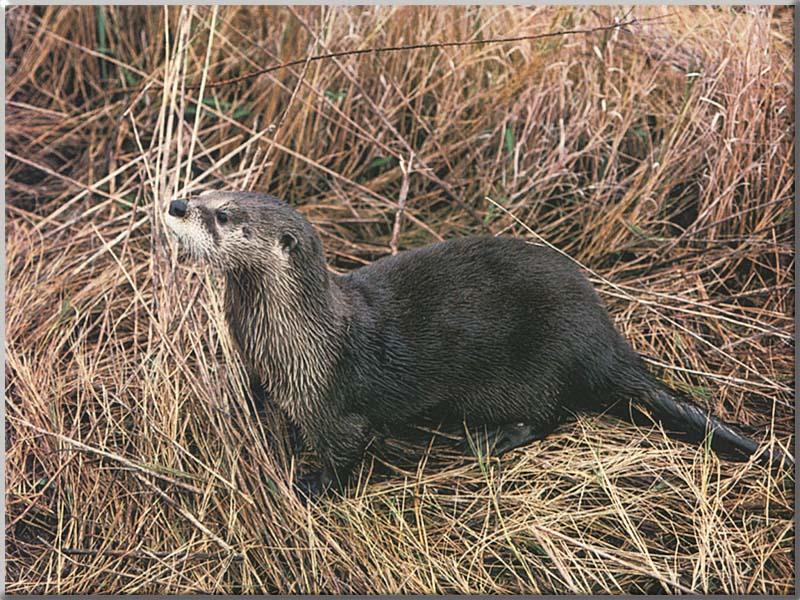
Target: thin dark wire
(520, 38)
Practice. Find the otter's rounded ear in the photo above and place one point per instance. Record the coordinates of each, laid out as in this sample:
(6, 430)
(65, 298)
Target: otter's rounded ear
(288, 242)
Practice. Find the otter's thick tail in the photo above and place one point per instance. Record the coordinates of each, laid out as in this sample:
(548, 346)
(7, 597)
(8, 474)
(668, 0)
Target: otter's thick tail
(680, 415)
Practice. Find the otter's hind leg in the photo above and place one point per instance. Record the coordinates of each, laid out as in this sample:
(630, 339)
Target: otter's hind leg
(504, 438)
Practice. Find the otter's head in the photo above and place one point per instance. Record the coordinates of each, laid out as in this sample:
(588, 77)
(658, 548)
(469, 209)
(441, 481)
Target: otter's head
(244, 231)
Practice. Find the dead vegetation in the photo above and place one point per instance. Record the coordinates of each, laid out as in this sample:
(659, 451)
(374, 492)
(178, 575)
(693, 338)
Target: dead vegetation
(659, 156)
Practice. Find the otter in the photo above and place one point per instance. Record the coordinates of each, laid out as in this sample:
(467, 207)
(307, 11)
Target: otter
(494, 332)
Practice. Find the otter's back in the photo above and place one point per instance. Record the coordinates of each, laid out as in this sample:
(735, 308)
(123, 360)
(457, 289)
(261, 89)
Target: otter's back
(477, 321)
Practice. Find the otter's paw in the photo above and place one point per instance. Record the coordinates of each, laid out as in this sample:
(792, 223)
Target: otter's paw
(296, 439)
(502, 439)
(313, 485)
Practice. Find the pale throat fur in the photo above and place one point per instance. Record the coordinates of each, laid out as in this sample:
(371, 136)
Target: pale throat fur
(288, 331)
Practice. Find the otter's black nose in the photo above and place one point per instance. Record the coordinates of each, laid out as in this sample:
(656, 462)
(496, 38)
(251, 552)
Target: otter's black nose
(177, 208)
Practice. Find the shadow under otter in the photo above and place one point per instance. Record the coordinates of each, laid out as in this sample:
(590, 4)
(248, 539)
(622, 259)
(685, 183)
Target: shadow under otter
(493, 332)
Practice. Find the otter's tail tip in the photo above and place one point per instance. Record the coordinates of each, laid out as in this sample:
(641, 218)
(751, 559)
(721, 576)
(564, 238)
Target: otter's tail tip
(775, 457)
(674, 409)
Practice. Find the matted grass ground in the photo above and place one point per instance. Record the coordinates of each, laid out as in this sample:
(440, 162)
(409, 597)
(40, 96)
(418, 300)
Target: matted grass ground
(659, 156)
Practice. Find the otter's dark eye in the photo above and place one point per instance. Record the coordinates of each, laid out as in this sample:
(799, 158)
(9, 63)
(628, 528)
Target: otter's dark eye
(222, 217)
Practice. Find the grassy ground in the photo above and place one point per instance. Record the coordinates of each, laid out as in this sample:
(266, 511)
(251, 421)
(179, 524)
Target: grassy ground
(660, 157)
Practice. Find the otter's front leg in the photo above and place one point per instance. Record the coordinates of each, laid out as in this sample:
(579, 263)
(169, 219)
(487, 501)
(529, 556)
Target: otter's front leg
(339, 443)
(258, 404)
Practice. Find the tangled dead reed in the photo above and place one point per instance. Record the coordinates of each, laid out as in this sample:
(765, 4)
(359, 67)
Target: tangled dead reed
(659, 156)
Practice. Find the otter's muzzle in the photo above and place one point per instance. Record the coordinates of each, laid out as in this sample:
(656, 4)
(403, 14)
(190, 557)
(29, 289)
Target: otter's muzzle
(178, 208)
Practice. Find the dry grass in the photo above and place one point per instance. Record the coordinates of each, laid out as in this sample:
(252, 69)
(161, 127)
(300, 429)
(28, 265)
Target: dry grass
(659, 157)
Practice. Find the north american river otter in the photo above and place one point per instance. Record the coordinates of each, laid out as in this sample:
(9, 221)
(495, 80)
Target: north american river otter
(488, 331)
